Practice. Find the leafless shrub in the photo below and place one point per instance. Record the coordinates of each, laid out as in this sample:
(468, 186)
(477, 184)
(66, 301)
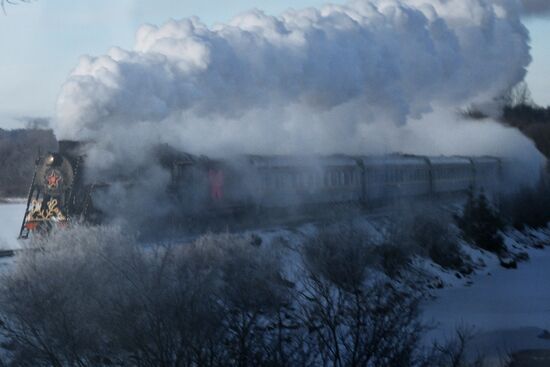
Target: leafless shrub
(253, 294)
(425, 231)
(399, 244)
(341, 254)
(528, 206)
(48, 302)
(372, 325)
(92, 297)
(481, 223)
(454, 352)
(431, 231)
(519, 95)
(352, 321)
(393, 258)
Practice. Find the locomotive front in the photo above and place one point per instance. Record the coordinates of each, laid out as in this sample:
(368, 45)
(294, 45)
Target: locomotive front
(51, 200)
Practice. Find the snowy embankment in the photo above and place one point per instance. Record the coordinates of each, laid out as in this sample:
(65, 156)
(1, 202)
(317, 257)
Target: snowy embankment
(505, 309)
(508, 309)
(11, 216)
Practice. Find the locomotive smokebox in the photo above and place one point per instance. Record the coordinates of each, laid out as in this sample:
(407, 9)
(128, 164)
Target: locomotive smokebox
(71, 148)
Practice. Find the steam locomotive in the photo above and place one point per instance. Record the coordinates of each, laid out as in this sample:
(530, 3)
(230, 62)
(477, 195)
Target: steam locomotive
(201, 186)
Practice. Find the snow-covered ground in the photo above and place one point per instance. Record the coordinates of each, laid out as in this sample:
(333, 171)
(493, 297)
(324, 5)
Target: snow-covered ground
(11, 216)
(506, 309)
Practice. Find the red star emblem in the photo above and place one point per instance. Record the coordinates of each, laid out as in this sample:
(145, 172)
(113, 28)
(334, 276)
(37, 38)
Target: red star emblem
(53, 180)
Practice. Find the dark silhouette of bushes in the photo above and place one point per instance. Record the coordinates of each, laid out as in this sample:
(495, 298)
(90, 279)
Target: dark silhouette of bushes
(425, 231)
(520, 111)
(91, 297)
(433, 233)
(481, 223)
(540, 134)
(393, 258)
(340, 254)
(533, 121)
(525, 114)
(529, 206)
(353, 321)
(18, 152)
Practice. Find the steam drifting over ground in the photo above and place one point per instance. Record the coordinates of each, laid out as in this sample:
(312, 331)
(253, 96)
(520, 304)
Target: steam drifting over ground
(363, 78)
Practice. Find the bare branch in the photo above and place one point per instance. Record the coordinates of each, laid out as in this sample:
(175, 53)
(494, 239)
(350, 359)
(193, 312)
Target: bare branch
(3, 3)
(519, 95)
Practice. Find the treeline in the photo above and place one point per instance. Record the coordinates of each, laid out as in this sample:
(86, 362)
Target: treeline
(523, 113)
(520, 111)
(18, 152)
(528, 207)
(533, 121)
(526, 114)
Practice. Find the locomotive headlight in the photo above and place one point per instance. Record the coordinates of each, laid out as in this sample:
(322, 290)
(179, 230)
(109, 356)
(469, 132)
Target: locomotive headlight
(50, 160)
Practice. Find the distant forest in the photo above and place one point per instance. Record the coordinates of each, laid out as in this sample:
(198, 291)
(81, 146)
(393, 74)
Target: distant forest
(18, 152)
(521, 112)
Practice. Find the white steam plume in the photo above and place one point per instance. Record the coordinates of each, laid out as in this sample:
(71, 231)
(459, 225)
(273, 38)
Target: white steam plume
(354, 78)
(315, 71)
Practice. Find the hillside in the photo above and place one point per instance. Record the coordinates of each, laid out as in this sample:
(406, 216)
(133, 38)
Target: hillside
(18, 151)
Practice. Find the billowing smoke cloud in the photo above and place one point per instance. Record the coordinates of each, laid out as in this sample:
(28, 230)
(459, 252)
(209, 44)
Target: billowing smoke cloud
(307, 76)
(354, 78)
(536, 7)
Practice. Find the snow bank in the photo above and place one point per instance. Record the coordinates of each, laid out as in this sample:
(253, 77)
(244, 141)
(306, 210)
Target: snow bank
(508, 309)
(11, 215)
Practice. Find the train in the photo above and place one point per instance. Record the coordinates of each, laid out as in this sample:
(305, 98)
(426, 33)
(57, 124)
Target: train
(204, 187)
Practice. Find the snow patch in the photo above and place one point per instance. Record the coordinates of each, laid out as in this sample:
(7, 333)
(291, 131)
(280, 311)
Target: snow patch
(11, 216)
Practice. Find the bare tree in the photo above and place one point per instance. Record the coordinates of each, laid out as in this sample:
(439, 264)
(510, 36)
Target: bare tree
(353, 322)
(519, 95)
(454, 352)
(3, 3)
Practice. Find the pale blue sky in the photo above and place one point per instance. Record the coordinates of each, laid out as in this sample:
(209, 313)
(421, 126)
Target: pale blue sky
(41, 42)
